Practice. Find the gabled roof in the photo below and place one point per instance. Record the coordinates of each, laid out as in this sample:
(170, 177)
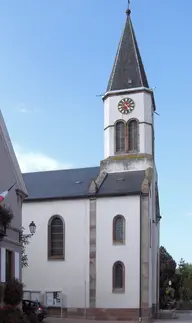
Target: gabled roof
(4, 136)
(128, 70)
(75, 183)
(60, 183)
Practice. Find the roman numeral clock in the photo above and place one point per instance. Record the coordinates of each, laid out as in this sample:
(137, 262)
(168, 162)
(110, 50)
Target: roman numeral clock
(126, 105)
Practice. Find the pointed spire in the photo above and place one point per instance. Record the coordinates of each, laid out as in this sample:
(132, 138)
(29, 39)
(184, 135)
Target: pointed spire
(128, 70)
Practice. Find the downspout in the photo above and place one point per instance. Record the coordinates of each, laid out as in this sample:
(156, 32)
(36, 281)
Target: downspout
(140, 263)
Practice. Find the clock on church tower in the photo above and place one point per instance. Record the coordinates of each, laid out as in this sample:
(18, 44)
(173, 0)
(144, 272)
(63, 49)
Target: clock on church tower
(126, 105)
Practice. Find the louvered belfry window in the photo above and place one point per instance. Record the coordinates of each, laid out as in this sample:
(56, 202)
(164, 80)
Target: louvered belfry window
(133, 135)
(120, 136)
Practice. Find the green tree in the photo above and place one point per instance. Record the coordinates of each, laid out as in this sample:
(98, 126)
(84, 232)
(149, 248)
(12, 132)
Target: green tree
(185, 288)
(25, 241)
(167, 273)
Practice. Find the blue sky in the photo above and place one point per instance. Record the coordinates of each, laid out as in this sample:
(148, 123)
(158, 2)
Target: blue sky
(56, 57)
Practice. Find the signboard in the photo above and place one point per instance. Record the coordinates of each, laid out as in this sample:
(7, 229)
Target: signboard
(49, 299)
(32, 295)
(35, 296)
(54, 299)
(26, 295)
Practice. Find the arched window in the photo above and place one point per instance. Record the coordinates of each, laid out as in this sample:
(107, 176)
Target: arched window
(118, 276)
(119, 229)
(120, 137)
(133, 133)
(56, 238)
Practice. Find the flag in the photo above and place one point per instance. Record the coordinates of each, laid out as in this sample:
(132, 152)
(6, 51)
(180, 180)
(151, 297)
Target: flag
(4, 194)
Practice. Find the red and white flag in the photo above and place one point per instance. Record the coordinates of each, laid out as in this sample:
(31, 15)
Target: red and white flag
(4, 194)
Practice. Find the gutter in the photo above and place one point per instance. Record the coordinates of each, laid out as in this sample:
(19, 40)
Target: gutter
(140, 263)
(86, 196)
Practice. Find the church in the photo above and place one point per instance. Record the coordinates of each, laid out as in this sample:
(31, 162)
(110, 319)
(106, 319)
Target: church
(95, 252)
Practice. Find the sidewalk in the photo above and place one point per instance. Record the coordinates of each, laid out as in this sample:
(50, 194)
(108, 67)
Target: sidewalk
(66, 320)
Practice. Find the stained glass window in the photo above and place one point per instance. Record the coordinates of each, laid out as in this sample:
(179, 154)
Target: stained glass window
(119, 229)
(118, 275)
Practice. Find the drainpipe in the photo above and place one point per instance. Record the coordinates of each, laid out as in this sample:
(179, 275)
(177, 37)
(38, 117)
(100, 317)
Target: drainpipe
(140, 263)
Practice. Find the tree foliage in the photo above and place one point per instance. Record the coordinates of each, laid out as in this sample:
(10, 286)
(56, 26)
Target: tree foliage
(167, 273)
(185, 286)
(11, 293)
(167, 264)
(25, 241)
(181, 281)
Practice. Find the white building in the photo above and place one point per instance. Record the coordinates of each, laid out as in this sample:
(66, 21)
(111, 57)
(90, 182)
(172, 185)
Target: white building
(97, 237)
(12, 188)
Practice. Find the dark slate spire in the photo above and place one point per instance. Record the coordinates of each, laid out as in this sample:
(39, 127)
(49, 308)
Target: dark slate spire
(128, 70)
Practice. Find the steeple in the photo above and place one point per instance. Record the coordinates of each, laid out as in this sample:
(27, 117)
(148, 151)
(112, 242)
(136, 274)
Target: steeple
(128, 70)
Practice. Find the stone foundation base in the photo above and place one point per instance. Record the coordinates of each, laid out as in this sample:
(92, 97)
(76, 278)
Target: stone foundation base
(108, 314)
(154, 310)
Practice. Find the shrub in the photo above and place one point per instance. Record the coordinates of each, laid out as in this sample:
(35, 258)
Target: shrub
(6, 215)
(13, 292)
(1, 292)
(11, 315)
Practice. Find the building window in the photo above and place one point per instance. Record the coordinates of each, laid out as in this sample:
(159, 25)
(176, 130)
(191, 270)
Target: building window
(56, 238)
(120, 132)
(118, 277)
(9, 265)
(133, 134)
(119, 229)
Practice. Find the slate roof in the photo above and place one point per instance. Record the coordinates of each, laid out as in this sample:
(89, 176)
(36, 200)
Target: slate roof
(128, 70)
(122, 183)
(74, 183)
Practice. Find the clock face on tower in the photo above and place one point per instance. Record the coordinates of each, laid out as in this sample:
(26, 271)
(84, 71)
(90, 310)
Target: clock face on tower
(126, 105)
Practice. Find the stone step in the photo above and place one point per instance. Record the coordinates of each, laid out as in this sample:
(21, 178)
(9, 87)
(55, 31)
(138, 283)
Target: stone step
(166, 314)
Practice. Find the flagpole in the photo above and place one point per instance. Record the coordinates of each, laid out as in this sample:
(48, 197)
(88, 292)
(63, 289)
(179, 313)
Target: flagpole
(4, 194)
(11, 187)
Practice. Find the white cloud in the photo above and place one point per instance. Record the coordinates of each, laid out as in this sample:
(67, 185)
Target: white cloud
(23, 110)
(30, 161)
(22, 107)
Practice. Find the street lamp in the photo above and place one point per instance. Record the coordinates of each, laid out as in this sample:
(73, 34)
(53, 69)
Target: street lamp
(170, 283)
(32, 228)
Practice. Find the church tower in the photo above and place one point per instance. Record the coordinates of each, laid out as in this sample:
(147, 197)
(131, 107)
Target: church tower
(128, 109)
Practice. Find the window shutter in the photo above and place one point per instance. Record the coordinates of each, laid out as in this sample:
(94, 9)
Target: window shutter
(3, 265)
(17, 265)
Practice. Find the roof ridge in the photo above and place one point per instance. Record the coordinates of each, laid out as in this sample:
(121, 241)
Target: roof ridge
(136, 53)
(60, 170)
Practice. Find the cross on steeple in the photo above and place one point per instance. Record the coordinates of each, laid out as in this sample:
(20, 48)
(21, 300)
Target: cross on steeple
(128, 11)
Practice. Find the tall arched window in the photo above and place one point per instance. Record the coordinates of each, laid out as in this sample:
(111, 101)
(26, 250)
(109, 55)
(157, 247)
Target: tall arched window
(119, 229)
(133, 134)
(56, 238)
(118, 276)
(120, 137)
